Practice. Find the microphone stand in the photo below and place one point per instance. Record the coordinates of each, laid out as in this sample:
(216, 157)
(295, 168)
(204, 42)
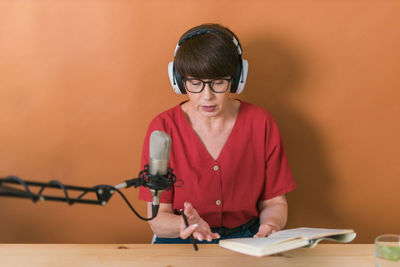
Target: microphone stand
(100, 193)
(103, 194)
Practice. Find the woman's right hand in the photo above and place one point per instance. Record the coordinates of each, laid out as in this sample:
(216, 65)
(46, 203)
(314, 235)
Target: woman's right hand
(197, 226)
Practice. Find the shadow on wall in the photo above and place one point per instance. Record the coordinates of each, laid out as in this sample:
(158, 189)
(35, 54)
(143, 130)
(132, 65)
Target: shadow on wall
(275, 72)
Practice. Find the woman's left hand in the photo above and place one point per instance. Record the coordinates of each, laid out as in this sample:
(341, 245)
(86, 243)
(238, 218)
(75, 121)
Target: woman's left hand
(273, 214)
(265, 230)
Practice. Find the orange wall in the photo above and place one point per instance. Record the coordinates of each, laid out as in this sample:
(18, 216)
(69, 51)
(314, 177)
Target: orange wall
(80, 81)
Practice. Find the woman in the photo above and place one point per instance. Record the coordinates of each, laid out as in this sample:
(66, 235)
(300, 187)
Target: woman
(228, 153)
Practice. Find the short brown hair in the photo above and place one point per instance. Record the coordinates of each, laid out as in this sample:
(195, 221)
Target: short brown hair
(211, 54)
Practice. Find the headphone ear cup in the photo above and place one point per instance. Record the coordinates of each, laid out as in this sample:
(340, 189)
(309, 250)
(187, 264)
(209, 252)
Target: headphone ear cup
(242, 77)
(237, 77)
(175, 82)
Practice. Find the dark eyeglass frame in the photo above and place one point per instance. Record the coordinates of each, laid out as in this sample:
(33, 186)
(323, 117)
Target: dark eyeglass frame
(209, 84)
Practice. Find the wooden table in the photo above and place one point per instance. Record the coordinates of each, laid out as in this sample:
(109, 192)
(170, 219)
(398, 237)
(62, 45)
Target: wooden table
(325, 255)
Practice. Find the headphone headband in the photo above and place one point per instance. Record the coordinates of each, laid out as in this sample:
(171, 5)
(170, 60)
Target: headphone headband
(192, 34)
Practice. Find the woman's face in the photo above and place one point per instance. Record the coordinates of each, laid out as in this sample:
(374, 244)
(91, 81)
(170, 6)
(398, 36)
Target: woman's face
(208, 103)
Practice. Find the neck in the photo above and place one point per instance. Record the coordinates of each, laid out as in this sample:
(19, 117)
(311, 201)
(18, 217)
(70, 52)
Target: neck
(214, 124)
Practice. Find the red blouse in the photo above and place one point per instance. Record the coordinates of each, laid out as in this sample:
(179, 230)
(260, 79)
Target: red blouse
(252, 166)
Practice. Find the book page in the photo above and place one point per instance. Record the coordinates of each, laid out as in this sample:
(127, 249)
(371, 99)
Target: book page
(308, 233)
(260, 242)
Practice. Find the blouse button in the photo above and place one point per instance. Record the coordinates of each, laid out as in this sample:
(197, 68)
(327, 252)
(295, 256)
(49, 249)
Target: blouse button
(215, 168)
(218, 202)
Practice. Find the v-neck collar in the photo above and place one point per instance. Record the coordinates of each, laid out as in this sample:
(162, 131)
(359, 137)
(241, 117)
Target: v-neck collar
(197, 138)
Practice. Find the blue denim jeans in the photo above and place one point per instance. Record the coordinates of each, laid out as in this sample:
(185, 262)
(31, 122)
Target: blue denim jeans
(244, 232)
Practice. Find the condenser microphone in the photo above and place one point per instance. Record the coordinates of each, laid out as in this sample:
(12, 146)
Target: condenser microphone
(160, 147)
(156, 175)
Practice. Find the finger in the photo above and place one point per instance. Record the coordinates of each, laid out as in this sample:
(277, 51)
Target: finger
(263, 231)
(199, 236)
(215, 235)
(258, 234)
(187, 231)
(189, 210)
(209, 238)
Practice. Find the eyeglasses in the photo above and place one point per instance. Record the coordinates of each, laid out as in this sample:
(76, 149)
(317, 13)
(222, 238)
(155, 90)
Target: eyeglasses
(196, 86)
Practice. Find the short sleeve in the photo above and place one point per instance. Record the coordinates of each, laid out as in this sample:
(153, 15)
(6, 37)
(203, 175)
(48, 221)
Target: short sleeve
(278, 176)
(144, 193)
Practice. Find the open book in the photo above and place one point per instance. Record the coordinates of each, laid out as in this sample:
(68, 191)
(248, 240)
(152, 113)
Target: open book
(286, 240)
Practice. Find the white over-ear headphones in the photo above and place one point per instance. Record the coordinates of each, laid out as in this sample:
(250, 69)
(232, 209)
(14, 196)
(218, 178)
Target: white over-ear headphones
(238, 82)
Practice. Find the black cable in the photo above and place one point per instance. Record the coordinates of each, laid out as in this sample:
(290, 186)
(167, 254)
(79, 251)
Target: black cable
(19, 180)
(126, 201)
(59, 184)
